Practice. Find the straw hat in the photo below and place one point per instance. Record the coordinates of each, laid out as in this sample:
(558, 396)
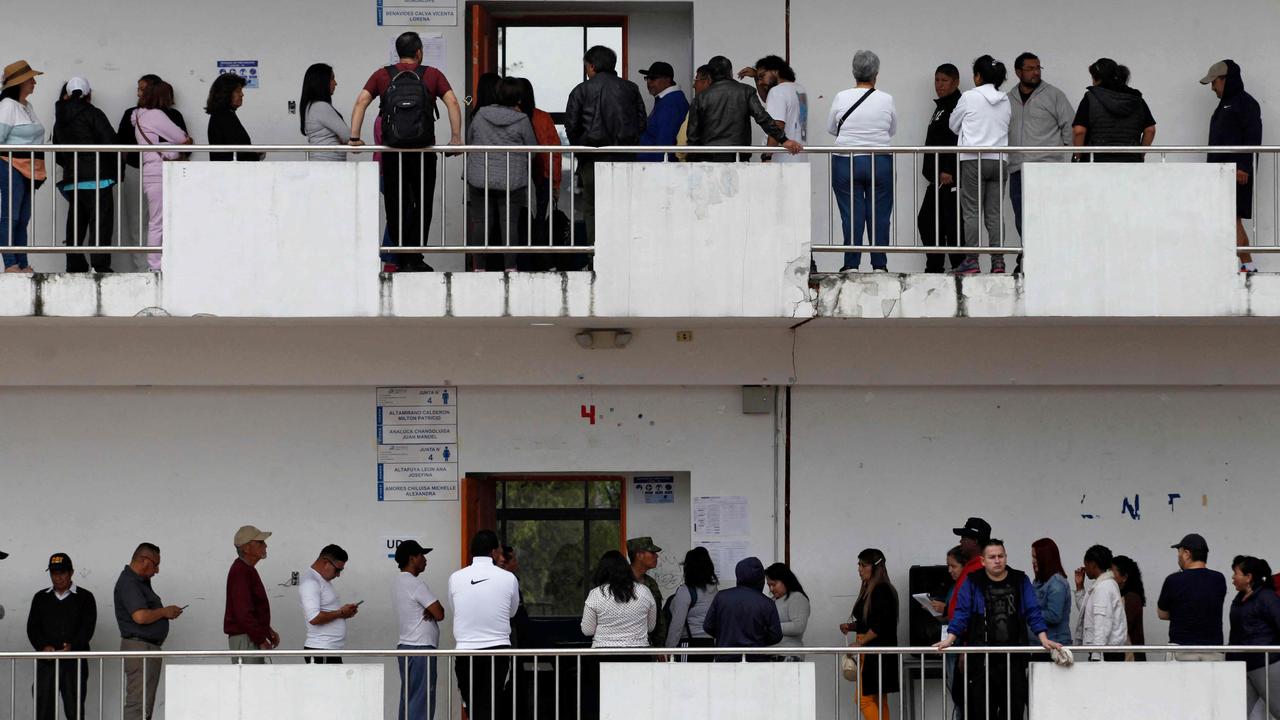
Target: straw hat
(16, 73)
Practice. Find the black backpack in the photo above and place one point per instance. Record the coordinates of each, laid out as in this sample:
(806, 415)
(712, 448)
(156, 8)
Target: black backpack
(406, 120)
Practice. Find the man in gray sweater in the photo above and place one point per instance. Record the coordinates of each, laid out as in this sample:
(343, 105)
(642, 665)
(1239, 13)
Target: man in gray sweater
(1041, 117)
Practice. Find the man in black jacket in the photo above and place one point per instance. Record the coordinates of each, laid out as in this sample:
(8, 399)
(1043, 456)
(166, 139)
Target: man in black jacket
(62, 619)
(602, 110)
(722, 115)
(743, 616)
(1236, 121)
(938, 213)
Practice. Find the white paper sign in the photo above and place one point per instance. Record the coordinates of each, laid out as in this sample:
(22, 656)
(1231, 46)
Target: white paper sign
(416, 433)
(417, 12)
(721, 516)
(726, 554)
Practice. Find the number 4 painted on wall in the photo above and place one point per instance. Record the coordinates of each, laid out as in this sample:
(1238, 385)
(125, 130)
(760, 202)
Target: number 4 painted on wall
(589, 413)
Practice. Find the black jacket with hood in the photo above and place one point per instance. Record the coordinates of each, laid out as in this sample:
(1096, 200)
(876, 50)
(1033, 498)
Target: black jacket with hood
(78, 122)
(1116, 117)
(743, 616)
(940, 135)
(1236, 121)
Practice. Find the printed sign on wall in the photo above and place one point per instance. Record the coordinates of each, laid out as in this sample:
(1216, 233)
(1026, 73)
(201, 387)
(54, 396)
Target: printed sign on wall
(247, 69)
(416, 433)
(417, 12)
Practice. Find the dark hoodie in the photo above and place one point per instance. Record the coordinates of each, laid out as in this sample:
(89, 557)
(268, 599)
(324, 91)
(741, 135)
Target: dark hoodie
(1236, 121)
(78, 122)
(743, 616)
(940, 135)
(1114, 117)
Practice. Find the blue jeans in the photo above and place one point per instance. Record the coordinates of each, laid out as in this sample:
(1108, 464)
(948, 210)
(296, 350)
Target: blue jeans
(860, 188)
(15, 212)
(420, 687)
(1015, 199)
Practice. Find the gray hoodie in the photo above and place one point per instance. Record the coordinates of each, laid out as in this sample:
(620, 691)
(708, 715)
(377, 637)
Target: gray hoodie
(1043, 121)
(499, 125)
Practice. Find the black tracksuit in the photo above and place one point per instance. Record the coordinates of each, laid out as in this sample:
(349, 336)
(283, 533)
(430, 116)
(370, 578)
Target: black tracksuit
(54, 623)
(941, 202)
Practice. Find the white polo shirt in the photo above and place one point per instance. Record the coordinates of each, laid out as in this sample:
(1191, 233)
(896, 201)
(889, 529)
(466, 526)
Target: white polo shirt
(483, 598)
(410, 597)
(317, 595)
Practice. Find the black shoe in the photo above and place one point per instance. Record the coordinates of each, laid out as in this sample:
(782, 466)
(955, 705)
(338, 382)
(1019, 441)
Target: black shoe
(103, 270)
(416, 266)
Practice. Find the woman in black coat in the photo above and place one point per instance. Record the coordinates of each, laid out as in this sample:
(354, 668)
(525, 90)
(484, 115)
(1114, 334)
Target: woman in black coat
(875, 622)
(226, 95)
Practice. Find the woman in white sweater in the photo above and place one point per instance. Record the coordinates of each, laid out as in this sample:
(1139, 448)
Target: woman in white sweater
(321, 122)
(793, 605)
(981, 119)
(619, 613)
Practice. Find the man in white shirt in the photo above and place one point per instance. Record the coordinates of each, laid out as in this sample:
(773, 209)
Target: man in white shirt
(484, 598)
(418, 613)
(1100, 618)
(326, 616)
(785, 99)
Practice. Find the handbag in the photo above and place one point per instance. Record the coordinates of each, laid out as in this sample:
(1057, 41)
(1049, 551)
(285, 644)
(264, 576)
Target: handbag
(849, 663)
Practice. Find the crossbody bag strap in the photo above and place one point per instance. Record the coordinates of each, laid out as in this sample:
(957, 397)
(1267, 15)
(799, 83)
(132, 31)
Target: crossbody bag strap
(849, 112)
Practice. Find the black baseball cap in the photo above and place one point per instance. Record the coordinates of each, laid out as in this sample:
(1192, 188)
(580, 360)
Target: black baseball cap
(3, 554)
(1193, 542)
(60, 562)
(659, 69)
(409, 549)
(974, 527)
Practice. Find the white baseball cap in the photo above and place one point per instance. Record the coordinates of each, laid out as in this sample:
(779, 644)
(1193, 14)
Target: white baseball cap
(78, 83)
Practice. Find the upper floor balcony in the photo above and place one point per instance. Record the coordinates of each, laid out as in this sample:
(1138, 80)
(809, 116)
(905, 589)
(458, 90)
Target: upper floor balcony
(293, 237)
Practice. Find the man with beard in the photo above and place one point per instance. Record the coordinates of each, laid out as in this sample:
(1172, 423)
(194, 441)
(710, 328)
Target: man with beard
(784, 98)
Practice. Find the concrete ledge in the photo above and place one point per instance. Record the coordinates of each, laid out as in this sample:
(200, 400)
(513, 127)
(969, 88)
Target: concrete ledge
(576, 295)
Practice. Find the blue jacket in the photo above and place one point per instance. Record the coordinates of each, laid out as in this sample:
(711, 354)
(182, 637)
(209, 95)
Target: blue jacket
(1054, 597)
(971, 606)
(743, 616)
(664, 123)
(1236, 121)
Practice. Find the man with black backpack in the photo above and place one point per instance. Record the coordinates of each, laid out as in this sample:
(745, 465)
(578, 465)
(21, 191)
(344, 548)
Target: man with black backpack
(994, 609)
(407, 94)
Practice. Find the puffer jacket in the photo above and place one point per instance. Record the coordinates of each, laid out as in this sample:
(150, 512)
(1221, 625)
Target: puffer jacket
(722, 115)
(499, 125)
(605, 110)
(78, 122)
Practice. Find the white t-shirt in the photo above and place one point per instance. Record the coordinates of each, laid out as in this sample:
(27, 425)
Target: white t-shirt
(483, 598)
(789, 102)
(317, 595)
(873, 124)
(410, 597)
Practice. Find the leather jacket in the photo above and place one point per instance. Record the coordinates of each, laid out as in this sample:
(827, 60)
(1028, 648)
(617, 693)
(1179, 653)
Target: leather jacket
(722, 115)
(604, 110)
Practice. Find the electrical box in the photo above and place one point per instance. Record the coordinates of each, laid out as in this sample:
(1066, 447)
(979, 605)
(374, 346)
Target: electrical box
(757, 399)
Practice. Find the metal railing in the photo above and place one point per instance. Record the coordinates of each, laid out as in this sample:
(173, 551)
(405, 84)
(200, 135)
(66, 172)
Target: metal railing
(961, 683)
(525, 216)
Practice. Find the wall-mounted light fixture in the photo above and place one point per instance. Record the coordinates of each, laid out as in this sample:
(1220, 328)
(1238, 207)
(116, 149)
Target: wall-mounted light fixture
(603, 339)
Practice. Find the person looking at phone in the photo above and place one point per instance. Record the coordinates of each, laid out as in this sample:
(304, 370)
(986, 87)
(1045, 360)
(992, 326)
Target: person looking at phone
(326, 616)
(144, 624)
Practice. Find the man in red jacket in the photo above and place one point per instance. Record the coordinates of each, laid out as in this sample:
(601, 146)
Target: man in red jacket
(975, 532)
(247, 621)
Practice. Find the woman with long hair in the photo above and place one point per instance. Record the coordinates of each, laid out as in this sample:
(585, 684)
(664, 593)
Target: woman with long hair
(319, 120)
(1129, 577)
(1053, 592)
(1112, 113)
(875, 624)
(619, 613)
(226, 95)
(689, 604)
(792, 603)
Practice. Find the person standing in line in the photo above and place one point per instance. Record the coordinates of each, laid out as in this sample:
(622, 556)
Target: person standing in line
(1192, 599)
(484, 598)
(742, 616)
(319, 120)
(247, 619)
(792, 603)
(602, 110)
(1112, 114)
(644, 557)
(938, 219)
(497, 182)
(863, 117)
(786, 101)
(407, 94)
(975, 532)
(701, 81)
(62, 619)
(670, 108)
(981, 119)
(133, 232)
(1052, 591)
(1134, 593)
(144, 625)
(419, 614)
(688, 605)
(20, 173)
(619, 613)
(957, 558)
(88, 178)
(723, 113)
(1236, 121)
(152, 126)
(1101, 619)
(547, 169)
(226, 95)
(875, 624)
(519, 622)
(326, 617)
(996, 607)
(1041, 117)
(1255, 620)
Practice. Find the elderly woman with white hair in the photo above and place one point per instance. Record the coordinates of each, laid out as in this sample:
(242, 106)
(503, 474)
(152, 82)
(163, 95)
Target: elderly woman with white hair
(863, 117)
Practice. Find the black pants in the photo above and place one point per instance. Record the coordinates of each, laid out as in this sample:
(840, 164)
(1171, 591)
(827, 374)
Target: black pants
(484, 682)
(90, 220)
(1000, 688)
(408, 191)
(947, 234)
(71, 686)
(332, 660)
